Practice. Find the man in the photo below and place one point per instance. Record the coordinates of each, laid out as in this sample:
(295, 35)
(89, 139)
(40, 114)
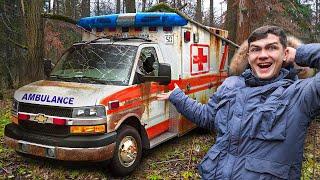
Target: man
(261, 116)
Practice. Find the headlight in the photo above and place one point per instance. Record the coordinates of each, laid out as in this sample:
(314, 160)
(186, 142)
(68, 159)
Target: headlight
(15, 105)
(89, 111)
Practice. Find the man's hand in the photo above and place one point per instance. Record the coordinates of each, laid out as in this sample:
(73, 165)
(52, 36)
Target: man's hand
(165, 96)
(290, 56)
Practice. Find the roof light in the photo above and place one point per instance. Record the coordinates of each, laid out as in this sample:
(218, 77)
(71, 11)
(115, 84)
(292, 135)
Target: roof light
(167, 28)
(187, 35)
(133, 19)
(138, 29)
(126, 20)
(153, 29)
(100, 29)
(159, 19)
(113, 29)
(125, 29)
(98, 21)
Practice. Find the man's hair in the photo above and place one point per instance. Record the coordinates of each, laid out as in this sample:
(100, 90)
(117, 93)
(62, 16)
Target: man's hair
(262, 32)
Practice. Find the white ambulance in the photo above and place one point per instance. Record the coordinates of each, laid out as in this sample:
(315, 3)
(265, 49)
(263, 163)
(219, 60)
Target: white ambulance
(99, 102)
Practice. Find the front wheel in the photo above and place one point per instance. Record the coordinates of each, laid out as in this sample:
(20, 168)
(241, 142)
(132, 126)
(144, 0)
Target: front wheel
(128, 151)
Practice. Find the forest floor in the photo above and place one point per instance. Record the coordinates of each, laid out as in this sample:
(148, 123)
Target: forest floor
(175, 159)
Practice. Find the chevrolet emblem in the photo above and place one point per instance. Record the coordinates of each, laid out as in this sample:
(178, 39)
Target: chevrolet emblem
(41, 118)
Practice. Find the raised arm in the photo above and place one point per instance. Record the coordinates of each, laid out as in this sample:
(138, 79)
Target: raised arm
(309, 55)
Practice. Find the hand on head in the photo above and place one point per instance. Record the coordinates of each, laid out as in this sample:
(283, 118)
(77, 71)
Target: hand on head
(290, 56)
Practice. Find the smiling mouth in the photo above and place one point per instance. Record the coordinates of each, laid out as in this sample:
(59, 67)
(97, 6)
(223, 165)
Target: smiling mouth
(264, 66)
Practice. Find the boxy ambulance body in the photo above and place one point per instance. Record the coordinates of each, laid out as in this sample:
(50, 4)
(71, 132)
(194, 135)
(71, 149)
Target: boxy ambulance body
(99, 102)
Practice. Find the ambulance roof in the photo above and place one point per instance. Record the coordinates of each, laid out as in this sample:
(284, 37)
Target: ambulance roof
(131, 42)
(141, 19)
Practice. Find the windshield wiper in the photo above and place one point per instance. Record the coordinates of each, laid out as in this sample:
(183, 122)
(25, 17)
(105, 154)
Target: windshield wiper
(92, 79)
(57, 77)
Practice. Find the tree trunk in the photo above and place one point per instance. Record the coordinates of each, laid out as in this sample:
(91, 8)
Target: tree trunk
(178, 4)
(317, 12)
(211, 21)
(143, 5)
(198, 15)
(97, 7)
(231, 21)
(130, 6)
(34, 33)
(118, 4)
(244, 21)
(54, 10)
(68, 7)
(85, 8)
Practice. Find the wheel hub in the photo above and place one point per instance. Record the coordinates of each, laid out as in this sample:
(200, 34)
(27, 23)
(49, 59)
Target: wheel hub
(128, 151)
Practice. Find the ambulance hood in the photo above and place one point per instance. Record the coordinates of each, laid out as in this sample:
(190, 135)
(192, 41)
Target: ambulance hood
(67, 94)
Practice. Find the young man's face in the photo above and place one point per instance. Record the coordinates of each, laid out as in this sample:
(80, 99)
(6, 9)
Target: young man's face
(266, 56)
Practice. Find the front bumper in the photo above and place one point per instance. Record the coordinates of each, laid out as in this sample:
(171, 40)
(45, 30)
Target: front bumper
(70, 148)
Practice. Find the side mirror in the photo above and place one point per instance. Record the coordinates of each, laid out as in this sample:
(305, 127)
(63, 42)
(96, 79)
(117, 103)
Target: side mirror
(164, 76)
(164, 73)
(48, 66)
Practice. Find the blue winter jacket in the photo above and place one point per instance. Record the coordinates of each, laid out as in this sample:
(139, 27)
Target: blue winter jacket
(260, 125)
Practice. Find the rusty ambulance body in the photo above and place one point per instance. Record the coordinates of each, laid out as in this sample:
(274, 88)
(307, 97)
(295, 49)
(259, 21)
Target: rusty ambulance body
(99, 102)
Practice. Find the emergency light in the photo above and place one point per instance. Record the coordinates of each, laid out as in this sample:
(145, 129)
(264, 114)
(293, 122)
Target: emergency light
(152, 19)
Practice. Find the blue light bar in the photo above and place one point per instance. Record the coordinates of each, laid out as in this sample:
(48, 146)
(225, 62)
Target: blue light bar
(131, 19)
(98, 21)
(159, 19)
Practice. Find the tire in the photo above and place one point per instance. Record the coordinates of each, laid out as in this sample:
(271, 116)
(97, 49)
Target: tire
(122, 164)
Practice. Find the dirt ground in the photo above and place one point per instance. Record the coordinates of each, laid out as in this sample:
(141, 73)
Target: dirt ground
(175, 159)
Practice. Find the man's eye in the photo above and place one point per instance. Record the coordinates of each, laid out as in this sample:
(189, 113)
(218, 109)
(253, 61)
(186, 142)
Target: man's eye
(254, 50)
(271, 48)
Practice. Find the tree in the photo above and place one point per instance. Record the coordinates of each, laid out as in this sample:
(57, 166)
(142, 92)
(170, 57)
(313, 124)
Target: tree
(97, 9)
(130, 6)
(118, 4)
(198, 15)
(85, 8)
(34, 35)
(211, 22)
(143, 5)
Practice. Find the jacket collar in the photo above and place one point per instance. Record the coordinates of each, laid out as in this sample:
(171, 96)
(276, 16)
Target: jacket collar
(253, 81)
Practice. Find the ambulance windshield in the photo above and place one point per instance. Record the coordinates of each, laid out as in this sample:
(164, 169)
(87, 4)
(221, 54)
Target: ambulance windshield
(96, 63)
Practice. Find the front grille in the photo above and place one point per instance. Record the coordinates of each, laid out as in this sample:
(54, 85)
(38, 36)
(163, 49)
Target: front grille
(46, 129)
(47, 110)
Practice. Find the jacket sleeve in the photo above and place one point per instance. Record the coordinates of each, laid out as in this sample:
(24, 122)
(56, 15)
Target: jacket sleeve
(309, 55)
(201, 114)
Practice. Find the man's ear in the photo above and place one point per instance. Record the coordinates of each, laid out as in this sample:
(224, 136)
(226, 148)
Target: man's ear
(286, 53)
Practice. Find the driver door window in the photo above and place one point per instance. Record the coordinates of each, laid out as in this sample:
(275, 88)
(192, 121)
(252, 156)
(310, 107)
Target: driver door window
(148, 64)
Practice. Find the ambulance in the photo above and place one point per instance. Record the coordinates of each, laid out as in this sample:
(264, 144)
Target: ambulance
(99, 101)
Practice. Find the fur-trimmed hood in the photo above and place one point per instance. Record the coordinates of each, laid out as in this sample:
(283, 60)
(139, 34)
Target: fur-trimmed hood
(239, 61)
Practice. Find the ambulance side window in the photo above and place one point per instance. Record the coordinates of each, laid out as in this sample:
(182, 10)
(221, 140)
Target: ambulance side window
(148, 64)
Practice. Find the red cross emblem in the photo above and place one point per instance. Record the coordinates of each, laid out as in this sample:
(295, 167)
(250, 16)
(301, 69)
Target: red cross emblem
(200, 59)
(199, 55)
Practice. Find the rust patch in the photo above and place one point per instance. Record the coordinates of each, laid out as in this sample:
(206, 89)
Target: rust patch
(185, 125)
(86, 154)
(145, 93)
(116, 118)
